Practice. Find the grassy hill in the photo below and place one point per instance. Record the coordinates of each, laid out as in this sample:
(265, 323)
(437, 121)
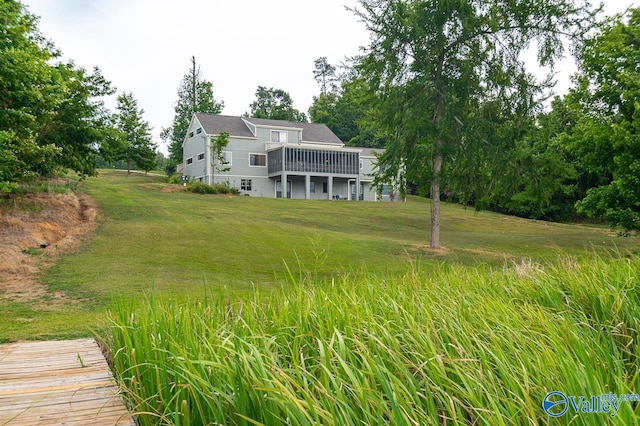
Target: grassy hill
(153, 238)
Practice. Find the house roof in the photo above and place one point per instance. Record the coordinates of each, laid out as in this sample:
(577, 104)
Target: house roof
(235, 126)
(216, 124)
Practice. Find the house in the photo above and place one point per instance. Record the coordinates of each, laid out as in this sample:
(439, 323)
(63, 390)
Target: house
(262, 154)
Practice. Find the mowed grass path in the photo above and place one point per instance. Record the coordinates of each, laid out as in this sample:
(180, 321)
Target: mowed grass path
(176, 244)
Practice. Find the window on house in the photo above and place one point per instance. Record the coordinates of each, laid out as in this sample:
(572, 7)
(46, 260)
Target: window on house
(201, 156)
(258, 160)
(312, 187)
(324, 188)
(226, 155)
(189, 160)
(190, 134)
(278, 136)
(361, 163)
(199, 130)
(245, 184)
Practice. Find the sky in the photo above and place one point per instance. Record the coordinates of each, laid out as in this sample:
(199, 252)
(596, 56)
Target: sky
(145, 46)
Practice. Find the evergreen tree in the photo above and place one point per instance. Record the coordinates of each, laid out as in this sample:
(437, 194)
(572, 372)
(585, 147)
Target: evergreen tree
(194, 95)
(137, 146)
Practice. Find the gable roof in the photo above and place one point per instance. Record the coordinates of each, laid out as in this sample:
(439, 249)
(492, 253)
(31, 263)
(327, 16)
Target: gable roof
(236, 126)
(216, 124)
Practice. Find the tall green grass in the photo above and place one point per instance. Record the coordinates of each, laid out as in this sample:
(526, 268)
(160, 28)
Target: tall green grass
(451, 346)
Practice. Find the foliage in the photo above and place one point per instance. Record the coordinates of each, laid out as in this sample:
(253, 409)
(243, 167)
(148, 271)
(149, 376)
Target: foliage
(325, 75)
(51, 117)
(348, 113)
(275, 104)
(217, 145)
(215, 188)
(194, 95)
(137, 147)
(434, 65)
(607, 137)
(448, 345)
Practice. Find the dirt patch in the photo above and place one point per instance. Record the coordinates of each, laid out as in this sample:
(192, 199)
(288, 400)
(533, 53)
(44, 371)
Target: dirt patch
(34, 230)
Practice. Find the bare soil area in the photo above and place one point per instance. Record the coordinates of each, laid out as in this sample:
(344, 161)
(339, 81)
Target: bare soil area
(34, 230)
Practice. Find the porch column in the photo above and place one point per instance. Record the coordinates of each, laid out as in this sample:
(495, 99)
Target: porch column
(283, 184)
(330, 186)
(358, 188)
(283, 177)
(307, 187)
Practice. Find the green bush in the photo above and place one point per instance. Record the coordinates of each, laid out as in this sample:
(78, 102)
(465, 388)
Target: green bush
(216, 188)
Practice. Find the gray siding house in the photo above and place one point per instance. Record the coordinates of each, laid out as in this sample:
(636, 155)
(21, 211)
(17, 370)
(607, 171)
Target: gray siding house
(262, 154)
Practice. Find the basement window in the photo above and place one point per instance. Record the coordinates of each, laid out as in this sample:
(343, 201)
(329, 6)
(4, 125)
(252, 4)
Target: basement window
(245, 184)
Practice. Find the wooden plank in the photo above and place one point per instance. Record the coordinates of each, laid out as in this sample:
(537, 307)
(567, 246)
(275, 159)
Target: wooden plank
(58, 382)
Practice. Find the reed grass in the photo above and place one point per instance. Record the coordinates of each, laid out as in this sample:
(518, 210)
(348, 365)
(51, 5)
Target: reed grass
(448, 346)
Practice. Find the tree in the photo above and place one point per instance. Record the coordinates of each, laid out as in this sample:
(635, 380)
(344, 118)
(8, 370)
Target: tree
(137, 145)
(325, 75)
(51, 118)
(434, 64)
(606, 139)
(217, 145)
(194, 95)
(348, 113)
(80, 125)
(25, 78)
(275, 104)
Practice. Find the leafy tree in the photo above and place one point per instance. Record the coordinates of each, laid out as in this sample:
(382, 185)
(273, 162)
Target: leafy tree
(275, 104)
(434, 64)
(194, 95)
(51, 118)
(325, 75)
(217, 145)
(25, 78)
(137, 147)
(607, 136)
(348, 113)
(80, 125)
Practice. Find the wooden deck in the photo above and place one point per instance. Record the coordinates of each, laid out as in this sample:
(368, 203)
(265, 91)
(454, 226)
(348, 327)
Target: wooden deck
(58, 383)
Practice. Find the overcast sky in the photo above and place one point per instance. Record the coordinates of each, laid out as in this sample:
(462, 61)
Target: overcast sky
(145, 46)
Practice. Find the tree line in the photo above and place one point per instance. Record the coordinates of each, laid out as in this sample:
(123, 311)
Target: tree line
(442, 87)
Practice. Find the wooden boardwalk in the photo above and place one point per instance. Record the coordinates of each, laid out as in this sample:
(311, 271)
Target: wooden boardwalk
(58, 383)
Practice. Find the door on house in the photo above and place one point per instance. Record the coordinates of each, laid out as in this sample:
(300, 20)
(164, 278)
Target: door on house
(352, 184)
(279, 189)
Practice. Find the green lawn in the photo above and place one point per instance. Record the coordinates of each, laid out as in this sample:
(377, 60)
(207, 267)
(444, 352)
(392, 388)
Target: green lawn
(177, 244)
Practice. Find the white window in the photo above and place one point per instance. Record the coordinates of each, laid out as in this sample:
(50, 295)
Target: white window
(201, 156)
(278, 136)
(199, 130)
(226, 155)
(312, 187)
(361, 164)
(258, 160)
(245, 184)
(190, 134)
(189, 160)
